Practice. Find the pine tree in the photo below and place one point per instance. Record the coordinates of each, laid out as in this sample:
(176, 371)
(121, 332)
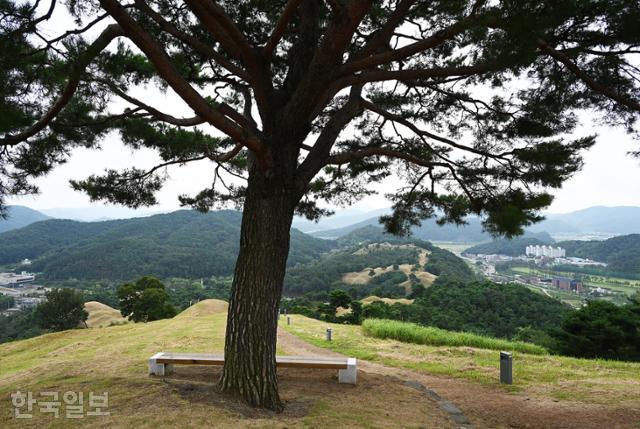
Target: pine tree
(472, 103)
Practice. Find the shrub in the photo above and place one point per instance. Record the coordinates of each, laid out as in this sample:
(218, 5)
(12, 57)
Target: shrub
(64, 309)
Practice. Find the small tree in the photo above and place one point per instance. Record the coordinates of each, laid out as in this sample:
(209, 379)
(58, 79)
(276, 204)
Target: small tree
(339, 298)
(601, 329)
(64, 309)
(145, 300)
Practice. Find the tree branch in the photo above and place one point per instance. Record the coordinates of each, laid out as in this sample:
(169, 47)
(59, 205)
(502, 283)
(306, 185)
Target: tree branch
(607, 92)
(415, 74)
(192, 41)
(179, 84)
(318, 154)
(286, 16)
(78, 69)
(347, 157)
(407, 51)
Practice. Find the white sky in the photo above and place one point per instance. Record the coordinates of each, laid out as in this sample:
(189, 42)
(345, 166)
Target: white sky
(609, 178)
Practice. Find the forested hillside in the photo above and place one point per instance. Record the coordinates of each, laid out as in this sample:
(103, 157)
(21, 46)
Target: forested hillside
(498, 310)
(622, 253)
(367, 248)
(513, 247)
(20, 216)
(180, 244)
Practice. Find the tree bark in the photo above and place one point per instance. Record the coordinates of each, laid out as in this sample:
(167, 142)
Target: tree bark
(250, 344)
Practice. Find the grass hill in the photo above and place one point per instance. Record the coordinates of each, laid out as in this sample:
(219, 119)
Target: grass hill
(179, 244)
(548, 391)
(370, 259)
(513, 247)
(101, 315)
(20, 216)
(114, 360)
(622, 253)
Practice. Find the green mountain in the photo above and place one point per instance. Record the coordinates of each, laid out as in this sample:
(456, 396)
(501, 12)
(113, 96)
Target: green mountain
(20, 216)
(179, 244)
(369, 247)
(622, 253)
(513, 247)
(612, 220)
(617, 220)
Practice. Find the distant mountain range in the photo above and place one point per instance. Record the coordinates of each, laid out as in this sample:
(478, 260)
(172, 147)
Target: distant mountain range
(604, 220)
(20, 216)
(613, 220)
(429, 230)
(180, 244)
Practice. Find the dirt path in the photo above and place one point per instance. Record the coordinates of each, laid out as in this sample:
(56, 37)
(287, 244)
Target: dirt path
(491, 407)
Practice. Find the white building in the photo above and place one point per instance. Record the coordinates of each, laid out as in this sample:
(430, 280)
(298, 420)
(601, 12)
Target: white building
(545, 251)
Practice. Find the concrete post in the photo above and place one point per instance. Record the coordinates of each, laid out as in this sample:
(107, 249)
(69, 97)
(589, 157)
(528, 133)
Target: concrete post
(329, 331)
(506, 368)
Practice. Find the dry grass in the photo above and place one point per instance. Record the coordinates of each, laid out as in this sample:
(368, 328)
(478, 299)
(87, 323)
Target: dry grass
(101, 315)
(206, 307)
(113, 360)
(389, 301)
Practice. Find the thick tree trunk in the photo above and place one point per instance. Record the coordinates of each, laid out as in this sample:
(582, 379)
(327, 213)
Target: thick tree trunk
(250, 345)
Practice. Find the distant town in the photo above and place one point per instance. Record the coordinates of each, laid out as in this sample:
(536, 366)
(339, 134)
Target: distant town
(542, 267)
(21, 290)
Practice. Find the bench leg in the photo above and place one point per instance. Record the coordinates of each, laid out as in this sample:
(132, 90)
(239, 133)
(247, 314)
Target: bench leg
(160, 369)
(349, 374)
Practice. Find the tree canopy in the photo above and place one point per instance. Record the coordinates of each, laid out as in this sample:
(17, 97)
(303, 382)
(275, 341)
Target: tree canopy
(63, 309)
(145, 300)
(472, 102)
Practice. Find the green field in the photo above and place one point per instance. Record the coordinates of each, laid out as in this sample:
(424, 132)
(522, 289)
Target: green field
(456, 248)
(615, 284)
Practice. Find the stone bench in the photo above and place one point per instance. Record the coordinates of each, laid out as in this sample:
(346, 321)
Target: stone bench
(162, 363)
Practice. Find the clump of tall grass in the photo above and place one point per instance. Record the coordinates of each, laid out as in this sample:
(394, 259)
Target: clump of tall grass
(417, 334)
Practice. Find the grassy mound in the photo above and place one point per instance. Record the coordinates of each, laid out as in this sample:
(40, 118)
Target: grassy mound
(207, 307)
(102, 315)
(412, 333)
(114, 360)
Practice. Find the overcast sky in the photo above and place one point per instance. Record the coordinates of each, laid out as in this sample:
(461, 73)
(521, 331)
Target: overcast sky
(609, 178)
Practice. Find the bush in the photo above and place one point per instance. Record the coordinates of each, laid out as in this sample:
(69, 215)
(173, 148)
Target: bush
(145, 300)
(412, 333)
(64, 309)
(601, 330)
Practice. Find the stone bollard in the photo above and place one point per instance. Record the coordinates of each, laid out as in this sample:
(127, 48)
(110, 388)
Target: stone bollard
(329, 331)
(506, 368)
